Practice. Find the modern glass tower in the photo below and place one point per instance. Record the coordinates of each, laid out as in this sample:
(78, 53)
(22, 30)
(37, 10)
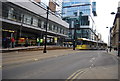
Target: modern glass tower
(79, 14)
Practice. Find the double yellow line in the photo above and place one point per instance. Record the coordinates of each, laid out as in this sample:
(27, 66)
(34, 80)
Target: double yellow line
(75, 75)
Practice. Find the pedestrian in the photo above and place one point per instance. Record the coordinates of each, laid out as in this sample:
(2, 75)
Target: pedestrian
(107, 50)
(26, 42)
(4, 43)
(13, 42)
(8, 42)
(32, 44)
(38, 42)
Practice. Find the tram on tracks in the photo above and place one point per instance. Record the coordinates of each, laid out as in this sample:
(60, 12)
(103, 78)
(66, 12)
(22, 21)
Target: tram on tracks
(86, 44)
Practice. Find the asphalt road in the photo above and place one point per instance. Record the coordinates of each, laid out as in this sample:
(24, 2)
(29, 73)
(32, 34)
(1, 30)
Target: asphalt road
(60, 67)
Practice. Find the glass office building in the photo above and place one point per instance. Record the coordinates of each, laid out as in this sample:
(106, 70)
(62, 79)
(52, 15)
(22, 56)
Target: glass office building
(79, 14)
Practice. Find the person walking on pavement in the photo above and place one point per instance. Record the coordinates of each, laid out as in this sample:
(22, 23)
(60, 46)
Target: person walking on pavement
(13, 42)
(107, 50)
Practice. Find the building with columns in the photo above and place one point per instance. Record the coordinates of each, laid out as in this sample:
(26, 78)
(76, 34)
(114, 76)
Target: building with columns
(27, 19)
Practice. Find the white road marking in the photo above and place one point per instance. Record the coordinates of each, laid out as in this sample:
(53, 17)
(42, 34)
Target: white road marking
(92, 65)
(92, 59)
(36, 59)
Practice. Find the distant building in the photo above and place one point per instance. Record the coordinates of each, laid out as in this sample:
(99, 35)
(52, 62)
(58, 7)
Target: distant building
(23, 20)
(80, 17)
(115, 30)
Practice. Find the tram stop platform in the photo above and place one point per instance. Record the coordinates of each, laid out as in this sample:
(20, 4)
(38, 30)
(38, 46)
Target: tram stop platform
(32, 48)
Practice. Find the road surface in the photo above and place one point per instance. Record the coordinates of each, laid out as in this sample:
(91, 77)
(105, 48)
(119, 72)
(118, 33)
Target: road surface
(66, 67)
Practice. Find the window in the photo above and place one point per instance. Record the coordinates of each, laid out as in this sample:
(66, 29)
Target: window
(13, 13)
(28, 19)
(39, 23)
(84, 20)
(35, 21)
(50, 26)
(54, 28)
(5, 11)
(58, 30)
(44, 25)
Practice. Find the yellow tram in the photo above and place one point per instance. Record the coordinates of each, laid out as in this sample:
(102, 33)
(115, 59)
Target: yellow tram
(85, 44)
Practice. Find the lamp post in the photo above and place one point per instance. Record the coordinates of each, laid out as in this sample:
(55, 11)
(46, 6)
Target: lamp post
(44, 51)
(74, 39)
(22, 21)
(118, 16)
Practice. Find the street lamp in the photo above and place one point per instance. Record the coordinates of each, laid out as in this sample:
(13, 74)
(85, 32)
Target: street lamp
(22, 21)
(118, 16)
(44, 51)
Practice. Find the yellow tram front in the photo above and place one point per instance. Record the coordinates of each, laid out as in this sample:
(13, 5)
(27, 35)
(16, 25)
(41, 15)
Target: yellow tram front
(85, 44)
(82, 43)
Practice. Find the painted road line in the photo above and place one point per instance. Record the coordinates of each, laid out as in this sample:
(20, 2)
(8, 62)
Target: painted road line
(92, 65)
(92, 59)
(70, 77)
(75, 77)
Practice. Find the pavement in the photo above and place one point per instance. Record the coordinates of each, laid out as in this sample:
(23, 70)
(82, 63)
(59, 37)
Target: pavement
(103, 72)
(31, 48)
(19, 57)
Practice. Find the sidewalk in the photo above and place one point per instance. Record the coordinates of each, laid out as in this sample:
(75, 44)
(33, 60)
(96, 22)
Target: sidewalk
(3, 50)
(14, 58)
(113, 53)
(103, 72)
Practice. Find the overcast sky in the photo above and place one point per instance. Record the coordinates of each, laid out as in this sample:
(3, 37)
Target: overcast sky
(104, 18)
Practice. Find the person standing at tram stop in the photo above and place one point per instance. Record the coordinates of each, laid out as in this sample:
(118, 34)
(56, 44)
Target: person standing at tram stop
(38, 42)
(13, 42)
(26, 42)
(8, 41)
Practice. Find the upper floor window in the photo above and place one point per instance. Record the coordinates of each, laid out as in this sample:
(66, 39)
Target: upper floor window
(35, 21)
(28, 19)
(39, 23)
